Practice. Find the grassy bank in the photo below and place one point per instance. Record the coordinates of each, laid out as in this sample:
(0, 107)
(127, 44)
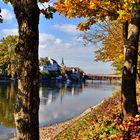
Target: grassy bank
(104, 123)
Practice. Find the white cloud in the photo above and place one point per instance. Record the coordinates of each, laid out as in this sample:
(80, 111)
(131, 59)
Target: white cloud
(6, 14)
(6, 32)
(43, 38)
(48, 40)
(67, 28)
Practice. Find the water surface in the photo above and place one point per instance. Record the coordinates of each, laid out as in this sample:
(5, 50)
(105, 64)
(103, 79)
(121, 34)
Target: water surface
(58, 102)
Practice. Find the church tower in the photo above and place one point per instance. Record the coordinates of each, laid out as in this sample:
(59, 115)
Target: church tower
(63, 67)
(62, 63)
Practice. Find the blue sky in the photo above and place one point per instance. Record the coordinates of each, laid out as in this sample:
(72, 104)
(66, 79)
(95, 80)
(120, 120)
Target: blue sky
(58, 38)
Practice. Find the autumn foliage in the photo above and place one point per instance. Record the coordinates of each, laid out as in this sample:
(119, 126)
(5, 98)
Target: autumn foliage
(96, 10)
(8, 60)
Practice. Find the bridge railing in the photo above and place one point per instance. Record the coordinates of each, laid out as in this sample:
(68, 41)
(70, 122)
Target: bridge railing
(103, 77)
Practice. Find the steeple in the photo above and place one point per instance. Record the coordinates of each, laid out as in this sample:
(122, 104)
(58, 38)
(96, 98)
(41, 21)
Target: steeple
(62, 63)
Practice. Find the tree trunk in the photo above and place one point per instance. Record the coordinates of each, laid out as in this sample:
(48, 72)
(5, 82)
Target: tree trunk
(128, 91)
(27, 105)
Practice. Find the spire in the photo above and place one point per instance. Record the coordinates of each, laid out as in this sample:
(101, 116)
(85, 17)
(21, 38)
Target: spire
(62, 63)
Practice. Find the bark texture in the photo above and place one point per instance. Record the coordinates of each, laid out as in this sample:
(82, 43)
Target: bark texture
(129, 103)
(27, 105)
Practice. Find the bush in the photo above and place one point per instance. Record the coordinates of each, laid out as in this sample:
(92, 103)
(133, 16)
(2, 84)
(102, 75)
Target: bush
(44, 72)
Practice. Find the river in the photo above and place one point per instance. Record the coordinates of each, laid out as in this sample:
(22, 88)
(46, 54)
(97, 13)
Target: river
(58, 102)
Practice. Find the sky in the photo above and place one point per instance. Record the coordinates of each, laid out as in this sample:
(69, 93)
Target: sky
(58, 38)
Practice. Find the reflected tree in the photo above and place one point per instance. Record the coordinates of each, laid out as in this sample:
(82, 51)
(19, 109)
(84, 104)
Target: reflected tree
(7, 100)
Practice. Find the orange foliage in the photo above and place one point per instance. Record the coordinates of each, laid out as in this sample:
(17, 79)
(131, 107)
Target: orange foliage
(96, 10)
(112, 49)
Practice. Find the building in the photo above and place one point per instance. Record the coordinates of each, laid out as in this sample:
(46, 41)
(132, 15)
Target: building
(74, 73)
(51, 65)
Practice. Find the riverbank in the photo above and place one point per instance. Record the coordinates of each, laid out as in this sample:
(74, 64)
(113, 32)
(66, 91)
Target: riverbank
(100, 122)
(50, 132)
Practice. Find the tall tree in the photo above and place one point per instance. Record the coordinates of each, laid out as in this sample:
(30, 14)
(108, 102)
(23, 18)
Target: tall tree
(129, 104)
(126, 11)
(8, 59)
(27, 105)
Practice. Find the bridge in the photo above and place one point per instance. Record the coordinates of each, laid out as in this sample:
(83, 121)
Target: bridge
(104, 77)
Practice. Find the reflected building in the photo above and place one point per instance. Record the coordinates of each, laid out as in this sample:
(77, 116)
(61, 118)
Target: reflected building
(49, 94)
(74, 89)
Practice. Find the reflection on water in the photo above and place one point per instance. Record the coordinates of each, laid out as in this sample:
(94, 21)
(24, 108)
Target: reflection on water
(57, 102)
(7, 100)
(50, 93)
(63, 101)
